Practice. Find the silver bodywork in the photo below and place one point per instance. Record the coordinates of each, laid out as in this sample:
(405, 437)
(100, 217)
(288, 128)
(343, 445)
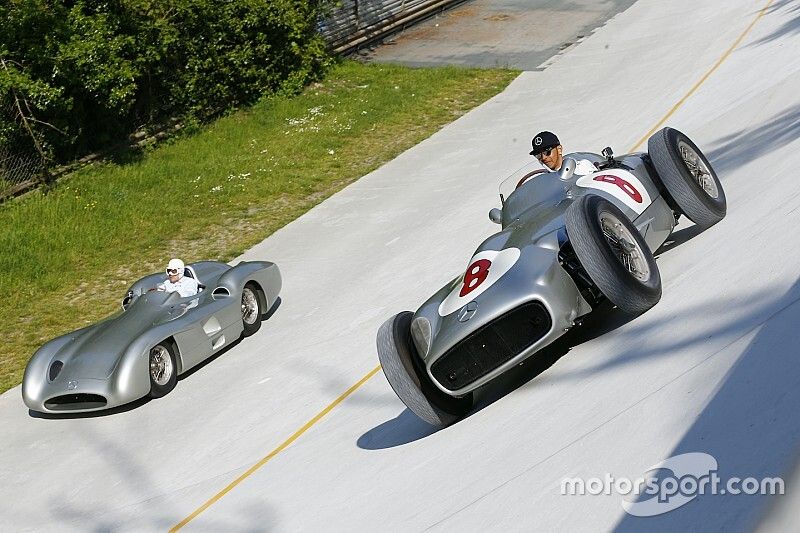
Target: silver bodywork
(110, 359)
(533, 222)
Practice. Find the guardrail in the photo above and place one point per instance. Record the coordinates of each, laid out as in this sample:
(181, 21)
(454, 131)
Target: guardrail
(358, 22)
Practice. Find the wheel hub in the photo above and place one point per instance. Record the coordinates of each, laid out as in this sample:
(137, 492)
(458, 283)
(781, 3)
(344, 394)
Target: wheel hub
(160, 365)
(624, 247)
(698, 169)
(249, 306)
(627, 246)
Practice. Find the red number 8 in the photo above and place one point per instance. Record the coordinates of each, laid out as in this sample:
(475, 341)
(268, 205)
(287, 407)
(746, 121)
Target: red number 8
(476, 274)
(629, 189)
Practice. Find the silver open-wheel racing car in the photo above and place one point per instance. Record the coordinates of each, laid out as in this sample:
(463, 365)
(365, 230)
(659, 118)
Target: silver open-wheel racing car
(157, 336)
(567, 243)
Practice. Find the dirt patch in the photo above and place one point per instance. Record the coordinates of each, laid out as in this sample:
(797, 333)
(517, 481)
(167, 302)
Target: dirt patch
(500, 17)
(462, 12)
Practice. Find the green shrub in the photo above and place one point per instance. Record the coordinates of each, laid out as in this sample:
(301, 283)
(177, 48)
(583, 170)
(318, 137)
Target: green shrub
(85, 74)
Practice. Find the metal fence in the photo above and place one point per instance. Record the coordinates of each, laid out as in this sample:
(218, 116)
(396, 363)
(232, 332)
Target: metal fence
(357, 22)
(19, 171)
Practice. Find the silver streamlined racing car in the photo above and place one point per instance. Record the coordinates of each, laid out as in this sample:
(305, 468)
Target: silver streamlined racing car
(567, 242)
(158, 335)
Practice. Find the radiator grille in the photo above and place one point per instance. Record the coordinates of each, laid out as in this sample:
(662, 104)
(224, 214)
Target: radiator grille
(492, 345)
(70, 402)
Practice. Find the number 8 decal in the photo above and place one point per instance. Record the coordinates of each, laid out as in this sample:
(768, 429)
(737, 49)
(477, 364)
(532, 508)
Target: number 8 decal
(621, 184)
(475, 275)
(629, 189)
(485, 268)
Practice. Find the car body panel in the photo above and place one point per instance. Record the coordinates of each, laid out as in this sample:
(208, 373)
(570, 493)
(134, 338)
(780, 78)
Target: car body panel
(111, 358)
(533, 224)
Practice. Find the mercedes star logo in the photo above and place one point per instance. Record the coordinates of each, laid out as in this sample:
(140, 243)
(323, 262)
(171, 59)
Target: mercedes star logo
(467, 312)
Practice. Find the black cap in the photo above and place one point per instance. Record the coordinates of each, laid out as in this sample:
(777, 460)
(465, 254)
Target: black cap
(543, 141)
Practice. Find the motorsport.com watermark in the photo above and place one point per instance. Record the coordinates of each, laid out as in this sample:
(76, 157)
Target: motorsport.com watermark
(671, 484)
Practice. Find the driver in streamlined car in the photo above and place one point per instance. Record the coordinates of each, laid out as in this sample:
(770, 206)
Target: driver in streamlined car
(177, 282)
(548, 150)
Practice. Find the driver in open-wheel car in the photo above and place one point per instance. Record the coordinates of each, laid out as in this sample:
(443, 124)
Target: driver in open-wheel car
(548, 150)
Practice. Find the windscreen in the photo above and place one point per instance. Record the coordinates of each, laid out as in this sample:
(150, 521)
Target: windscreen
(528, 188)
(523, 175)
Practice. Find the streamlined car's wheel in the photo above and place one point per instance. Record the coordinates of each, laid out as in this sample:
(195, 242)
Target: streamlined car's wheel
(688, 177)
(163, 370)
(403, 369)
(251, 309)
(613, 253)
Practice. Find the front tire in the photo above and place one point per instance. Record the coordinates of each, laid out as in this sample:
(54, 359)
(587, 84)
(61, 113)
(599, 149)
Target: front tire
(688, 177)
(163, 370)
(614, 254)
(251, 309)
(403, 370)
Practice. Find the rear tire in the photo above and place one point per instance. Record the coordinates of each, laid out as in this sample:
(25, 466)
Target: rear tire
(163, 369)
(402, 367)
(614, 254)
(688, 177)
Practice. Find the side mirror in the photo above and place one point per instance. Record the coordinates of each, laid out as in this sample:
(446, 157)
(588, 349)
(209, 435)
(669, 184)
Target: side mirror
(608, 153)
(496, 216)
(567, 169)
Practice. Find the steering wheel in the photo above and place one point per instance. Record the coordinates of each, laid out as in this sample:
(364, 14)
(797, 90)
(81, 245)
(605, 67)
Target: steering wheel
(528, 176)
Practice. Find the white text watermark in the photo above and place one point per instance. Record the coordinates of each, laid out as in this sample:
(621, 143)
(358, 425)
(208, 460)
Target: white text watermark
(671, 484)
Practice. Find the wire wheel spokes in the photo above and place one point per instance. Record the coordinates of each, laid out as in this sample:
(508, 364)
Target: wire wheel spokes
(698, 169)
(624, 247)
(249, 306)
(161, 368)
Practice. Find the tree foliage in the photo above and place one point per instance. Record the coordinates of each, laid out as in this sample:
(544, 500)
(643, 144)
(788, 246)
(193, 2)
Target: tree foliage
(78, 75)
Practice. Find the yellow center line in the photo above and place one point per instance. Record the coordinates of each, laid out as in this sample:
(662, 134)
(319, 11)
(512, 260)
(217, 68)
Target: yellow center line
(708, 74)
(285, 444)
(297, 434)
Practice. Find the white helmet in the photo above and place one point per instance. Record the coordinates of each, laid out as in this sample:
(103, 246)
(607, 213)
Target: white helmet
(176, 264)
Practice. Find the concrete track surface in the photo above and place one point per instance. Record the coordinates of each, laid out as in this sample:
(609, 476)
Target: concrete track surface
(713, 368)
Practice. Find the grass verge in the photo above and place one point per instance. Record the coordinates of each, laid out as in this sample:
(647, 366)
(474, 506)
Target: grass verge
(68, 256)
